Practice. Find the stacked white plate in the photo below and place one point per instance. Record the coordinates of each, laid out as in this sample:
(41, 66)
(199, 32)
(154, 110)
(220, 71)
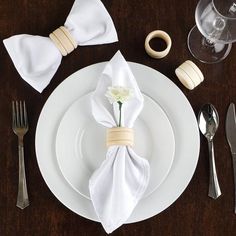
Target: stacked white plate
(70, 145)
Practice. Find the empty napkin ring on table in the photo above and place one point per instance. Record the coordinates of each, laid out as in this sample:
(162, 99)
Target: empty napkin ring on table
(63, 40)
(189, 74)
(120, 136)
(158, 34)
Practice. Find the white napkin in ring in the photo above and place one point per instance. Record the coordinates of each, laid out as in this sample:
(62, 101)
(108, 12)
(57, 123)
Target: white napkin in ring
(37, 58)
(120, 182)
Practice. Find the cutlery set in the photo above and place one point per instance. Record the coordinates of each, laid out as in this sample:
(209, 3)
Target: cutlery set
(208, 121)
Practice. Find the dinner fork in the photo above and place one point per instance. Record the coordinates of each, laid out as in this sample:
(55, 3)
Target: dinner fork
(20, 127)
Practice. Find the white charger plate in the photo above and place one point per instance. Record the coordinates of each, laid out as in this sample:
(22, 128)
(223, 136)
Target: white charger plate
(160, 89)
(81, 148)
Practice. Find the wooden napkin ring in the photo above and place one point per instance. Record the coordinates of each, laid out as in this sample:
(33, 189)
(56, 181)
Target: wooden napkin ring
(120, 136)
(63, 40)
(157, 34)
(189, 74)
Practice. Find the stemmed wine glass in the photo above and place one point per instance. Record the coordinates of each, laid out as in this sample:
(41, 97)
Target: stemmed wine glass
(210, 40)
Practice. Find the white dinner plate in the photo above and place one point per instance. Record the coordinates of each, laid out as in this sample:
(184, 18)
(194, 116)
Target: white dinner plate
(81, 147)
(160, 89)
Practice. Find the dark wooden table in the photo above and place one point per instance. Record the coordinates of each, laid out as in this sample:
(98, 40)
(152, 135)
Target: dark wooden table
(194, 213)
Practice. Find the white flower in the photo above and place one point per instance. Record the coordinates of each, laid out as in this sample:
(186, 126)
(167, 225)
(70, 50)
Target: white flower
(119, 94)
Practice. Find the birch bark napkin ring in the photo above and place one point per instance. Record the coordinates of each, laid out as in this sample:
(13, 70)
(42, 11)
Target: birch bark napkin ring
(120, 182)
(189, 74)
(157, 34)
(37, 58)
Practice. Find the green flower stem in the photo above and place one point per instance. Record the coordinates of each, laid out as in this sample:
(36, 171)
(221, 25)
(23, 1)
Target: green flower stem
(120, 106)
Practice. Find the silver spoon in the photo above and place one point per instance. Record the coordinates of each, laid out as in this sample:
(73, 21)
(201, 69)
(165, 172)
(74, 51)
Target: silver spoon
(208, 121)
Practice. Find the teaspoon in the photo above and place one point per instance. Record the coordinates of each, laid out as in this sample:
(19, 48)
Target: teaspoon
(208, 121)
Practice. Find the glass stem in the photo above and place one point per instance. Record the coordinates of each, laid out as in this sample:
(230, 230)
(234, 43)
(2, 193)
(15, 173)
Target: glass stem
(207, 42)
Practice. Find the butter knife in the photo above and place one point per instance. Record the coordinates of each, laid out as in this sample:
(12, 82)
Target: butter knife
(230, 128)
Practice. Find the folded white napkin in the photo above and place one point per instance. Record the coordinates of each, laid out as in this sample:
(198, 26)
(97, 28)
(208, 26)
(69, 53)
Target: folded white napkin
(119, 183)
(37, 59)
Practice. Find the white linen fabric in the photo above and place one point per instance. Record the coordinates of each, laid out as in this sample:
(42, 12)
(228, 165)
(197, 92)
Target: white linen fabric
(120, 182)
(37, 59)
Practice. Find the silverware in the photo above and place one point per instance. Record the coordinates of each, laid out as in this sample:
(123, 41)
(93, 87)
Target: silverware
(208, 121)
(230, 128)
(20, 127)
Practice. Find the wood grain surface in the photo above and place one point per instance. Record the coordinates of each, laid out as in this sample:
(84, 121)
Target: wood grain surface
(194, 213)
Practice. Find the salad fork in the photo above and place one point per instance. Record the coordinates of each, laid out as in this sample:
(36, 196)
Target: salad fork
(20, 127)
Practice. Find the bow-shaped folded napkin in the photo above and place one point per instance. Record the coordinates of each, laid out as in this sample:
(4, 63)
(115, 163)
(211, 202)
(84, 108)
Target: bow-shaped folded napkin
(37, 58)
(121, 180)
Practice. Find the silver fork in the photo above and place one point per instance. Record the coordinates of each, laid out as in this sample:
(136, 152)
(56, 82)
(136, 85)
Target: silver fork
(20, 127)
